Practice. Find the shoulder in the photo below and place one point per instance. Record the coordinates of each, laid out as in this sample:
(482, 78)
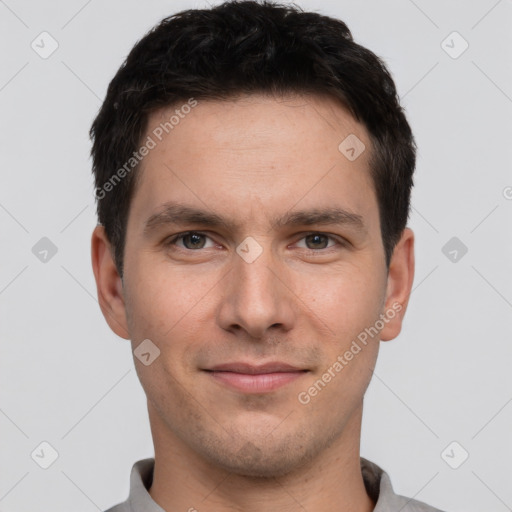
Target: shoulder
(379, 488)
(141, 477)
(121, 507)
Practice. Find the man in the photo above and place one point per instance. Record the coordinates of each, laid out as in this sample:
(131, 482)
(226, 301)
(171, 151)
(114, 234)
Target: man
(253, 171)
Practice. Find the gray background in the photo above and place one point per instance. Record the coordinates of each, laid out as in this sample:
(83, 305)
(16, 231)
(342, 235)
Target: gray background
(68, 380)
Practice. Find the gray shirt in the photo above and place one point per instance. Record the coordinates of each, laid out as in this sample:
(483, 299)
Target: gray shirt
(376, 480)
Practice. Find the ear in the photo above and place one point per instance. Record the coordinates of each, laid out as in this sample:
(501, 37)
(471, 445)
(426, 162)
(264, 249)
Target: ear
(400, 279)
(108, 283)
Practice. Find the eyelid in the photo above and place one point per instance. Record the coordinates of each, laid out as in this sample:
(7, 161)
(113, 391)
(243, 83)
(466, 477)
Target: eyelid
(339, 240)
(179, 236)
(336, 238)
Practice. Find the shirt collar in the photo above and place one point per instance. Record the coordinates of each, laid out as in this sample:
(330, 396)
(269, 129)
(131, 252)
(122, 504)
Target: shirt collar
(376, 480)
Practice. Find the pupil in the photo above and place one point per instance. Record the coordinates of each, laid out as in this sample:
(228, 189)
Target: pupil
(316, 237)
(194, 237)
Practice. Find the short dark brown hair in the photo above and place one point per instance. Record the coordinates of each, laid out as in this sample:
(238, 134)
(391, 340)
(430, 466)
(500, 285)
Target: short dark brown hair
(244, 47)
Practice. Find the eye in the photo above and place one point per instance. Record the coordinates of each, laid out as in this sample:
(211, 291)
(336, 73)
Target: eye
(318, 241)
(196, 240)
(192, 240)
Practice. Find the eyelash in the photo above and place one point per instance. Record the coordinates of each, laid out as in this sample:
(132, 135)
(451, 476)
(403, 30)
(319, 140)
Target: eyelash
(172, 241)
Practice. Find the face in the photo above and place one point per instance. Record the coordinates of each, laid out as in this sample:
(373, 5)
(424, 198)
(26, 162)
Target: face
(254, 284)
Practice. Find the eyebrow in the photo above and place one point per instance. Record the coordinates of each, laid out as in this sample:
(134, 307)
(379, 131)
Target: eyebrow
(181, 214)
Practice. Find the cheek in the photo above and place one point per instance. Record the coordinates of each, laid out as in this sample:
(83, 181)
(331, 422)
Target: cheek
(349, 307)
(167, 300)
(342, 303)
(175, 312)
(163, 387)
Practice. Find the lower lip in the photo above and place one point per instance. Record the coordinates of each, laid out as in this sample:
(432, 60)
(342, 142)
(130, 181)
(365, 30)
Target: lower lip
(260, 383)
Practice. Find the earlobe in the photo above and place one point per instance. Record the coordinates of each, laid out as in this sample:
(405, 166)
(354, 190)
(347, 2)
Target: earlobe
(400, 279)
(108, 283)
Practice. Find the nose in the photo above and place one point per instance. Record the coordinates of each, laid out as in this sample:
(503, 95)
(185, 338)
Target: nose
(257, 297)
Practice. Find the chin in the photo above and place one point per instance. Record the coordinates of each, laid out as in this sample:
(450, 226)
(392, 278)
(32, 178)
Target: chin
(264, 466)
(266, 460)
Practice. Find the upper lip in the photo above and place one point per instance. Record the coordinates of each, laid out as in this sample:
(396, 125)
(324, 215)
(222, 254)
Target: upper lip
(255, 369)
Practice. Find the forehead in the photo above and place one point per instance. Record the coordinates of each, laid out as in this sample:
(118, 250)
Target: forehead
(256, 153)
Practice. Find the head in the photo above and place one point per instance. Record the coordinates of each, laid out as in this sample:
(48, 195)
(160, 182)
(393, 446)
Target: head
(242, 111)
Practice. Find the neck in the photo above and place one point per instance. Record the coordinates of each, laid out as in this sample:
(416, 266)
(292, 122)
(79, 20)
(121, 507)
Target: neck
(182, 480)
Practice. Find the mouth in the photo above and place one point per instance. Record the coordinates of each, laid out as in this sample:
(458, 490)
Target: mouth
(249, 378)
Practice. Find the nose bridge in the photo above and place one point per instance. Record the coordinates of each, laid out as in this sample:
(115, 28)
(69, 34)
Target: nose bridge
(255, 298)
(254, 279)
